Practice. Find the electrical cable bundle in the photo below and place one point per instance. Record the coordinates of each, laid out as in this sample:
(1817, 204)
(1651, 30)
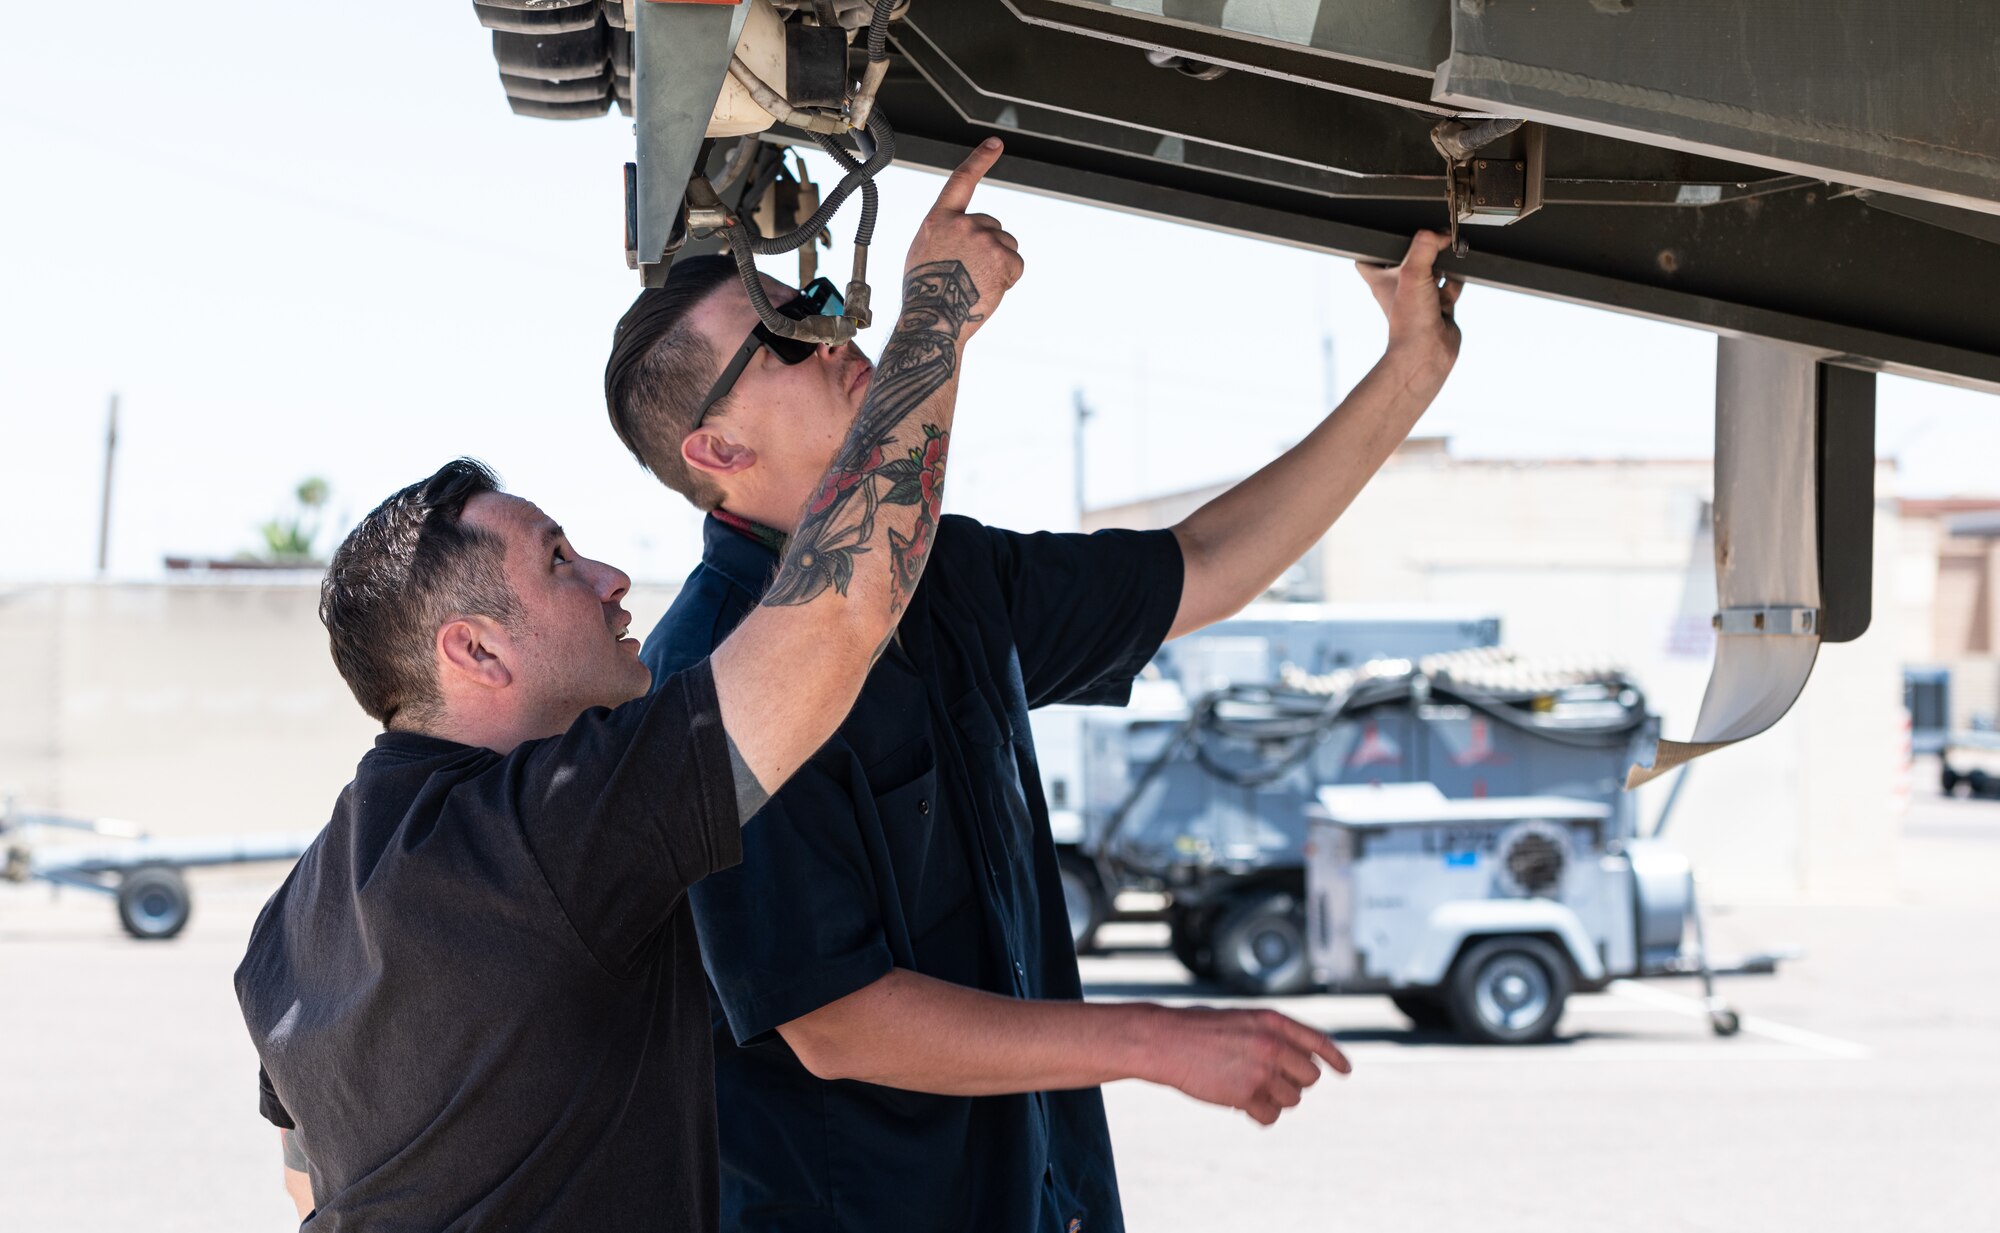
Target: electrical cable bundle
(1284, 724)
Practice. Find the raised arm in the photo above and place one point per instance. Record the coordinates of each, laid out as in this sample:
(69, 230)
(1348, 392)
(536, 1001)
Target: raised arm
(791, 671)
(1236, 545)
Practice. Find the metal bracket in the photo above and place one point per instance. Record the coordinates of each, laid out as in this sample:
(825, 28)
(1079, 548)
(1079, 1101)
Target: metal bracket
(680, 57)
(706, 213)
(1795, 622)
(1493, 172)
(1845, 492)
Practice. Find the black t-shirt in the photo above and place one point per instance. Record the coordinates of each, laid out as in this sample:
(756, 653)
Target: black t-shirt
(918, 838)
(479, 996)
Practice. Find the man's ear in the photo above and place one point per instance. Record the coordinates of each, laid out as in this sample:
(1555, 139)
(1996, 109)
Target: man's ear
(713, 452)
(474, 650)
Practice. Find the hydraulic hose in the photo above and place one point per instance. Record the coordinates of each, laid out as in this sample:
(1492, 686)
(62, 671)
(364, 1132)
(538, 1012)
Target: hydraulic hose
(1459, 141)
(878, 31)
(878, 63)
(858, 295)
(1608, 737)
(775, 103)
(864, 234)
(885, 150)
(745, 244)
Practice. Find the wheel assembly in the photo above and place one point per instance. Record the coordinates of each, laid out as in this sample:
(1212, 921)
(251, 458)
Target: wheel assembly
(1189, 941)
(154, 903)
(1083, 900)
(1260, 946)
(1509, 991)
(1425, 1011)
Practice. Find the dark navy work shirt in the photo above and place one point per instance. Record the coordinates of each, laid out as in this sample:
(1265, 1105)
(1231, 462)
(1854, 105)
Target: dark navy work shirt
(917, 838)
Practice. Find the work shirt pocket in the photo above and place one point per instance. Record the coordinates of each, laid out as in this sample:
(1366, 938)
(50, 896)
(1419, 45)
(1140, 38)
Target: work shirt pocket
(925, 854)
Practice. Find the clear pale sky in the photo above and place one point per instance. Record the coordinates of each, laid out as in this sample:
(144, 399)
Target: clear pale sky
(311, 239)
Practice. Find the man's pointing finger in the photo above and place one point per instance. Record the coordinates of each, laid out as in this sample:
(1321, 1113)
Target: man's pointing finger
(959, 184)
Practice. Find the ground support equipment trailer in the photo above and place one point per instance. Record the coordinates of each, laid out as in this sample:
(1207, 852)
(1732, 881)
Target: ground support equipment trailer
(1482, 916)
(1082, 751)
(1209, 802)
(144, 875)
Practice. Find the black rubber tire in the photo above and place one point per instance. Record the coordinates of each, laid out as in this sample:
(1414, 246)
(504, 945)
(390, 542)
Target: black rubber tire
(1483, 963)
(154, 903)
(553, 57)
(1948, 780)
(558, 111)
(1084, 900)
(535, 90)
(1260, 946)
(1425, 1011)
(1188, 939)
(536, 20)
(1979, 784)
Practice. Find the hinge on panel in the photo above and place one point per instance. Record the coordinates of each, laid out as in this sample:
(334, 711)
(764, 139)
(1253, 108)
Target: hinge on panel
(1768, 620)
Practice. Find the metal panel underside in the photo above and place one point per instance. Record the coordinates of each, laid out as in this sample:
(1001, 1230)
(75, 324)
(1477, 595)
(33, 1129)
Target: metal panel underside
(1898, 97)
(1383, 49)
(1636, 228)
(1407, 36)
(1318, 136)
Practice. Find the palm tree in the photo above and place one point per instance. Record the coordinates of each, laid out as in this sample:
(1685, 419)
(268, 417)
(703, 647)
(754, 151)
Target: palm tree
(289, 541)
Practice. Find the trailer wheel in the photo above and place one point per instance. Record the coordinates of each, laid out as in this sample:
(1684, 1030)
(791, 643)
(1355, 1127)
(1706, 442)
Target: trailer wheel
(154, 903)
(1509, 991)
(1948, 780)
(1084, 899)
(1425, 1011)
(1188, 939)
(1260, 946)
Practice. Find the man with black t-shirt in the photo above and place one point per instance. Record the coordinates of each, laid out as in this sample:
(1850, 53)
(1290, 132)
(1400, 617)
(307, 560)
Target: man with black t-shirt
(477, 1000)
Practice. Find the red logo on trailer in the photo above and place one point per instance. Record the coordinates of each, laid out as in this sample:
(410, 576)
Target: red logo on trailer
(1479, 749)
(1374, 749)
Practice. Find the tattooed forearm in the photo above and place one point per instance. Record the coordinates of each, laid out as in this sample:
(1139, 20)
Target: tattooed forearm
(839, 523)
(917, 480)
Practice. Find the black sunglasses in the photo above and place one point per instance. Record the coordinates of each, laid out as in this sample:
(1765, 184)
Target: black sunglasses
(819, 299)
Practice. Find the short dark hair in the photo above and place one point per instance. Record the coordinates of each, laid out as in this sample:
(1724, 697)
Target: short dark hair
(660, 370)
(412, 565)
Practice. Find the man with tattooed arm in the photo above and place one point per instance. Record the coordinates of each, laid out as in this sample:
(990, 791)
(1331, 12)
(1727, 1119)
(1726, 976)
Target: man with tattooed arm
(901, 1041)
(477, 999)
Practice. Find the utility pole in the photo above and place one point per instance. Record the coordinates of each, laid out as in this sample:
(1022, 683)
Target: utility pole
(104, 509)
(1083, 414)
(1329, 390)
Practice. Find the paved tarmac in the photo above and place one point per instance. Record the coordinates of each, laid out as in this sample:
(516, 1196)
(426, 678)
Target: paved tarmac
(1863, 1093)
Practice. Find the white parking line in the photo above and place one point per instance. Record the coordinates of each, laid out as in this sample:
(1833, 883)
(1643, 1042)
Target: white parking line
(1783, 1033)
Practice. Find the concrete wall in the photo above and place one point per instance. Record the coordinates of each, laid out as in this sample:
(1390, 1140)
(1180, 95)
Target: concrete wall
(186, 707)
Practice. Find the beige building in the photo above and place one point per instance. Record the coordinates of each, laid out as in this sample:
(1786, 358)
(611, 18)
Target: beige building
(1951, 565)
(1613, 560)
